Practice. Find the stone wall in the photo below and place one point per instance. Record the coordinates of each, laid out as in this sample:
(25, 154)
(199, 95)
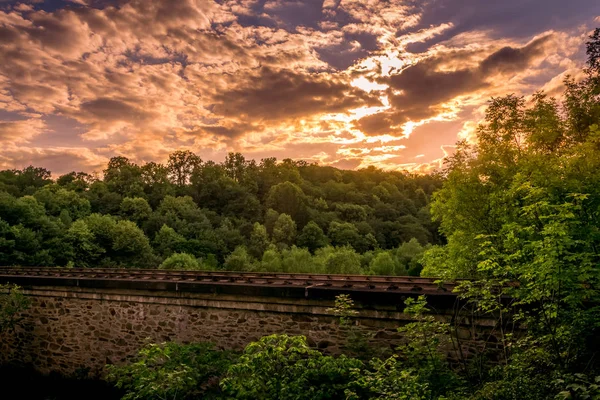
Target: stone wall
(72, 329)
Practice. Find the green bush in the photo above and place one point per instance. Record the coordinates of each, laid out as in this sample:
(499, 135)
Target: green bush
(281, 367)
(172, 371)
(180, 261)
(12, 303)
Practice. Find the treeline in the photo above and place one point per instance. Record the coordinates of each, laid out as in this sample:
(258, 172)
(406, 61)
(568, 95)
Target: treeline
(237, 215)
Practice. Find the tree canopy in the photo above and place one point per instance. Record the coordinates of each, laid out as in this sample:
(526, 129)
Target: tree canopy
(153, 214)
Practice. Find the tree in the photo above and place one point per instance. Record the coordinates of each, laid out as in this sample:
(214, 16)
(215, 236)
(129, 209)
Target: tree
(351, 212)
(281, 367)
(181, 165)
(235, 165)
(167, 241)
(271, 261)
(520, 211)
(259, 240)
(102, 199)
(124, 177)
(12, 304)
(409, 256)
(180, 261)
(593, 53)
(239, 260)
(284, 230)
(343, 234)
(136, 209)
(171, 371)
(76, 181)
(181, 214)
(155, 178)
(312, 237)
(271, 217)
(86, 251)
(383, 264)
(288, 198)
(229, 236)
(31, 178)
(130, 246)
(339, 260)
(58, 200)
(298, 260)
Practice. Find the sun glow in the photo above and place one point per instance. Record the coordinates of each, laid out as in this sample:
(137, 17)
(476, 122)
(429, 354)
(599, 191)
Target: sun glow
(367, 85)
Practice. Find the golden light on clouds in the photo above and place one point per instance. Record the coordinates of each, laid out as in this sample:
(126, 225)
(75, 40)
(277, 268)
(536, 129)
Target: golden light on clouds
(349, 83)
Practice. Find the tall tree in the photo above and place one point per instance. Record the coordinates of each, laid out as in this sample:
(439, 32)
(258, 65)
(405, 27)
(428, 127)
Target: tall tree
(181, 165)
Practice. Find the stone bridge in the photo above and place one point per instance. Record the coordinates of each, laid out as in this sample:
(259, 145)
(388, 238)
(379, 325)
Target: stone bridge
(83, 319)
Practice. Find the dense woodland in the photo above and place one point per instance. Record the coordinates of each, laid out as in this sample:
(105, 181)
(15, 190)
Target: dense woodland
(518, 215)
(235, 215)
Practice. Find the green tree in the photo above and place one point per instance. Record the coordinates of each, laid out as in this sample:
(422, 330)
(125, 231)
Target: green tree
(284, 230)
(130, 246)
(383, 264)
(271, 261)
(172, 371)
(288, 198)
(312, 237)
(239, 260)
(259, 240)
(281, 367)
(181, 165)
(86, 251)
(167, 241)
(298, 260)
(124, 177)
(339, 260)
(12, 304)
(135, 209)
(519, 209)
(343, 234)
(180, 261)
(409, 255)
(57, 200)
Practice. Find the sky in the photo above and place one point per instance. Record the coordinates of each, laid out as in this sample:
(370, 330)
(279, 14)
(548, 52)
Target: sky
(347, 83)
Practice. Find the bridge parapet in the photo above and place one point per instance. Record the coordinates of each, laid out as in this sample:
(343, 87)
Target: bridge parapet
(86, 318)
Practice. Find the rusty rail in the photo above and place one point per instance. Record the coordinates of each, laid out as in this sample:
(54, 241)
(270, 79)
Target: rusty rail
(363, 287)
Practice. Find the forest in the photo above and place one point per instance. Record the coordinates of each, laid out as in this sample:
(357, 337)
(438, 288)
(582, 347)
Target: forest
(236, 215)
(516, 215)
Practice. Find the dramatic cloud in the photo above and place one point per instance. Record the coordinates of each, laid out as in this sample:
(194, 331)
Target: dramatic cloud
(351, 83)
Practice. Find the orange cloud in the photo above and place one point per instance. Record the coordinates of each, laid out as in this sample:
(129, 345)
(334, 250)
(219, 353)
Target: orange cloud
(348, 83)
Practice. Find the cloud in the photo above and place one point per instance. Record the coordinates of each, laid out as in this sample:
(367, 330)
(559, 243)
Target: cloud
(280, 78)
(420, 90)
(274, 95)
(21, 131)
(58, 160)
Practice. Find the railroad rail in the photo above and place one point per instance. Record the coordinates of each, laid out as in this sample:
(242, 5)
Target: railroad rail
(252, 283)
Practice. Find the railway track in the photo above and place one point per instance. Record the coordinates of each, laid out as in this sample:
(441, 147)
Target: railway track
(363, 283)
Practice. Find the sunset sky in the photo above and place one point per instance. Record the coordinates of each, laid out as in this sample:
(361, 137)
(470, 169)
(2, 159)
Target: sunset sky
(348, 83)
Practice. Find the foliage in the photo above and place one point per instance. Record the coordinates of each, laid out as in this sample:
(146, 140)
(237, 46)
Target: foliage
(12, 304)
(357, 341)
(180, 261)
(427, 342)
(172, 371)
(343, 309)
(520, 211)
(139, 215)
(284, 230)
(519, 218)
(339, 260)
(388, 379)
(312, 237)
(281, 367)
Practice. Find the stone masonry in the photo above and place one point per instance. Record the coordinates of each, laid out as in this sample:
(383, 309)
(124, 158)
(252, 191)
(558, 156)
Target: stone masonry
(70, 329)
